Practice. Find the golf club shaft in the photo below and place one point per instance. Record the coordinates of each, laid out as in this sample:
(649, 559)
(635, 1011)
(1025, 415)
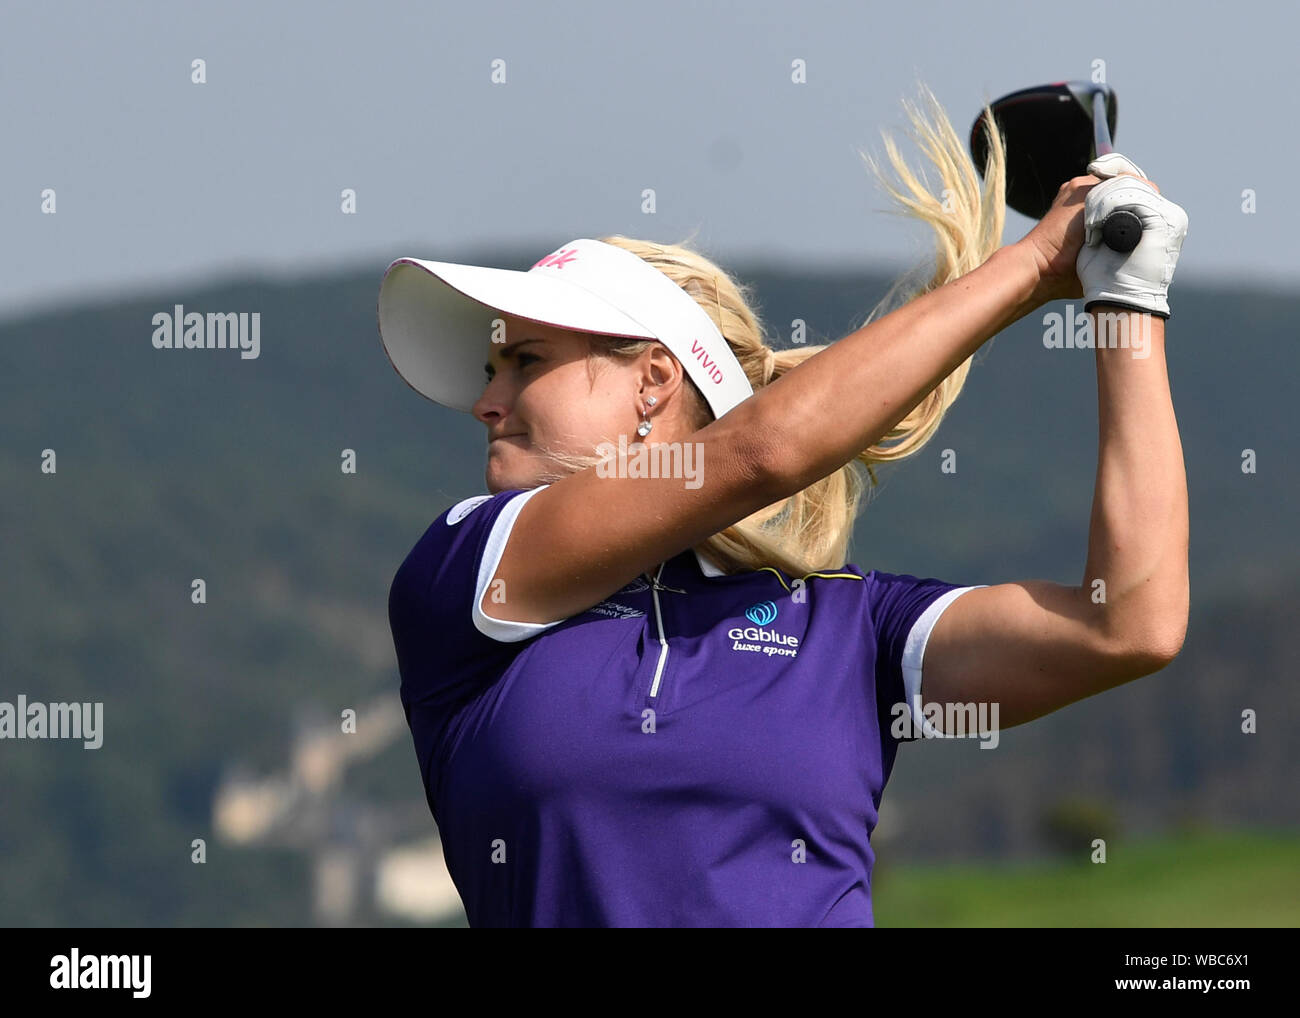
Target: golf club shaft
(1101, 129)
(1122, 229)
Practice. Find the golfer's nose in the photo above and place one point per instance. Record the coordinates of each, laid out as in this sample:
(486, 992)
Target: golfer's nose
(493, 402)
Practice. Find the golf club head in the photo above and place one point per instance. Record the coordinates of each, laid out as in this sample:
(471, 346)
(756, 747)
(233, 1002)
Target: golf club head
(1050, 137)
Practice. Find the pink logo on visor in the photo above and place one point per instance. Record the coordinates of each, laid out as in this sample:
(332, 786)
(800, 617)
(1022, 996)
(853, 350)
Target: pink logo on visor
(558, 259)
(710, 366)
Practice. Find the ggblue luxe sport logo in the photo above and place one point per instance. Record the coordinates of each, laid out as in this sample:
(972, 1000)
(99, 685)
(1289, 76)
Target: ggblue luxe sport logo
(759, 640)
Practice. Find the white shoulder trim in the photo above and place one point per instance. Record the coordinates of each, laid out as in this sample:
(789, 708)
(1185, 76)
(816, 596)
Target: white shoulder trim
(502, 629)
(914, 654)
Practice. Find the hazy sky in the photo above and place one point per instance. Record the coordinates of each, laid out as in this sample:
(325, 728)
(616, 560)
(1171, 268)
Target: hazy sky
(161, 181)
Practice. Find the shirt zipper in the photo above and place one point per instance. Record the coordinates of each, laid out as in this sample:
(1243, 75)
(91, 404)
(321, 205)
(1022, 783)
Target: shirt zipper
(655, 587)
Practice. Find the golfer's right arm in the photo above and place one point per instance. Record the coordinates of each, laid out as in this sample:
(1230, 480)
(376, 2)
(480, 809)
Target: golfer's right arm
(585, 536)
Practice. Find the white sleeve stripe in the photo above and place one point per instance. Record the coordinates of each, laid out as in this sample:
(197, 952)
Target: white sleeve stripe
(502, 629)
(914, 654)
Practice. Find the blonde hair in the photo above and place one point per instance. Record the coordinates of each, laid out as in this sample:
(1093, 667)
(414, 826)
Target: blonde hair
(810, 530)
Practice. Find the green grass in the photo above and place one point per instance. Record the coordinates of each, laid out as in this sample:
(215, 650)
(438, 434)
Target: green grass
(1241, 879)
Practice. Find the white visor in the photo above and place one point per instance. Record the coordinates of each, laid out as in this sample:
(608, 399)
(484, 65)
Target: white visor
(435, 318)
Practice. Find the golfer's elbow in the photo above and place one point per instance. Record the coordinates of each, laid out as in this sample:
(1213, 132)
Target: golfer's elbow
(767, 453)
(1154, 646)
(790, 457)
(1165, 641)
(1168, 644)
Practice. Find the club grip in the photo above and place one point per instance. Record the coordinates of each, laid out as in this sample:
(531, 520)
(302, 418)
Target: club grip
(1122, 230)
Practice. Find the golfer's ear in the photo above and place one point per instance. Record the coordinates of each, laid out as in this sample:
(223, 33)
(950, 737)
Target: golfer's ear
(663, 376)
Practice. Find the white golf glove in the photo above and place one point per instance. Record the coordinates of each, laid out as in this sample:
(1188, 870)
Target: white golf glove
(1137, 279)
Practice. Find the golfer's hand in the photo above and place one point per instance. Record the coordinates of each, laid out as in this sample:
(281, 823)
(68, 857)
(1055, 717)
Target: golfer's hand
(1059, 236)
(1139, 279)
(1054, 244)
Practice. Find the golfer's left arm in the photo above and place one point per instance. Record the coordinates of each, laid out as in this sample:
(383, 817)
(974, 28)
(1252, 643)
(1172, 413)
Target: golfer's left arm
(1035, 646)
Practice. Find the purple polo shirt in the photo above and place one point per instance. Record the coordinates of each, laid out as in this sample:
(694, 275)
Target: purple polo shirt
(707, 751)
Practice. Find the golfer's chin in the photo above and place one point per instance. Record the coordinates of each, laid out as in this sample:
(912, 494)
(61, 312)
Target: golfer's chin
(508, 468)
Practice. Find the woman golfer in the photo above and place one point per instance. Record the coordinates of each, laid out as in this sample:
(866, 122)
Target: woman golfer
(644, 686)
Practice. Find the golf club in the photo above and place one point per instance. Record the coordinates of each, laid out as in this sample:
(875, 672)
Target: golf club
(1052, 132)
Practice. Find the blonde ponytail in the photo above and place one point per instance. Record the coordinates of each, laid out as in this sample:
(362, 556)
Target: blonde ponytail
(810, 530)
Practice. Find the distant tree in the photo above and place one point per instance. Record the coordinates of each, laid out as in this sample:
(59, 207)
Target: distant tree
(1070, 826)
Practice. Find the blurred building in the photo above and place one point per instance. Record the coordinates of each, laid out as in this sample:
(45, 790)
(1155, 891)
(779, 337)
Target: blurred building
(369, 863)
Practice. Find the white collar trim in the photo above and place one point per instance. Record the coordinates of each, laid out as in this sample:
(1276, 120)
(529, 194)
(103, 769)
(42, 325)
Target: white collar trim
(707, 567)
